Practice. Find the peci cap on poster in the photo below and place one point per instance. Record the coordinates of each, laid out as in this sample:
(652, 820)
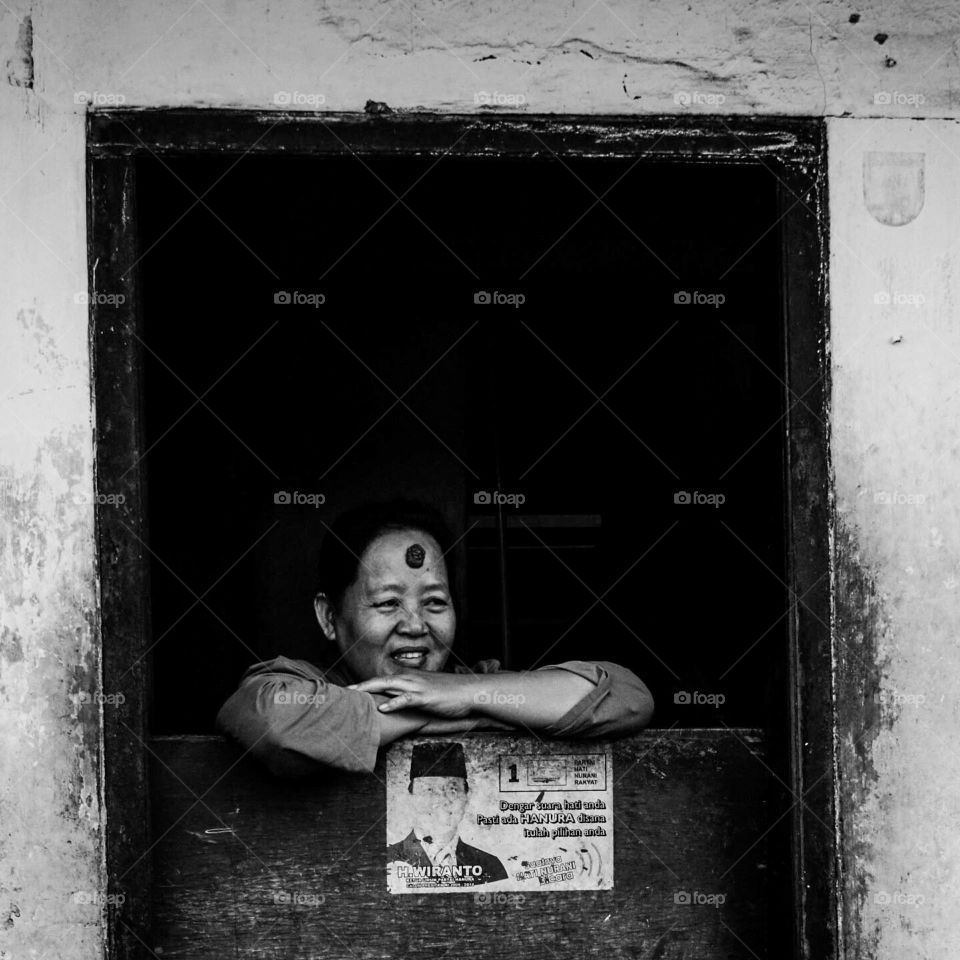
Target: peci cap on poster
(441, 759)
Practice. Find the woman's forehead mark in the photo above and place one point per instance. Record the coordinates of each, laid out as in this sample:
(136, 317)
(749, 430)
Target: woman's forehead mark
(415, 556)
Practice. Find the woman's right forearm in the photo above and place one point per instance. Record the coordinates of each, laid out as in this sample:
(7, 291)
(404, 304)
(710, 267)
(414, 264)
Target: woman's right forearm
(444, 726)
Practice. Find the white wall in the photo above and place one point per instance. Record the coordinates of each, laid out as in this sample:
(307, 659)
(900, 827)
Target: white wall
(895, 404)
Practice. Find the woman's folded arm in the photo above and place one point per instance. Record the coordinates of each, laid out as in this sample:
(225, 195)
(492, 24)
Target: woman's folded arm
(291, 718)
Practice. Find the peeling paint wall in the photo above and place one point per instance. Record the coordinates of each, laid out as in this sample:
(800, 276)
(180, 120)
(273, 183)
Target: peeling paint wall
(894, 370)
(50, 816)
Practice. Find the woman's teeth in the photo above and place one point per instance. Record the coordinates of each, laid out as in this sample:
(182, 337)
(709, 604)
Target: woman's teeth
(410, 658)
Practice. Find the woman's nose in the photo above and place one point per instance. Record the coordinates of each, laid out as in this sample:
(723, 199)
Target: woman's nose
(412, 622)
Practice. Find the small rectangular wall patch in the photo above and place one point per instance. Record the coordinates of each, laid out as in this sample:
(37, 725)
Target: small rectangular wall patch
(893, 186)
(498, 813)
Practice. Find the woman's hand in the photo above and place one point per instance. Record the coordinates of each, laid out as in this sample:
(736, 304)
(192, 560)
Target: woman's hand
(439, 694)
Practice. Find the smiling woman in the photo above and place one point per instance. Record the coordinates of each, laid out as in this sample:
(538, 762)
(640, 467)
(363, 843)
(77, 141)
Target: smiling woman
(385, 607)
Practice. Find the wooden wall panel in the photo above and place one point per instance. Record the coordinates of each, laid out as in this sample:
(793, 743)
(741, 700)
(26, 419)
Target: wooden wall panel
(235, 849)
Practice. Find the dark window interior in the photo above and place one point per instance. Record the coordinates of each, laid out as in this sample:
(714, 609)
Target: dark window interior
(598, 399)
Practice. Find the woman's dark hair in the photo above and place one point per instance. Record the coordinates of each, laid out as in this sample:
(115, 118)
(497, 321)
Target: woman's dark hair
(353, 531)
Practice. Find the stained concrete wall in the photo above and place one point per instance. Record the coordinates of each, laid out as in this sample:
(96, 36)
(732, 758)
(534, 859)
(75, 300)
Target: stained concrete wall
(895, 406)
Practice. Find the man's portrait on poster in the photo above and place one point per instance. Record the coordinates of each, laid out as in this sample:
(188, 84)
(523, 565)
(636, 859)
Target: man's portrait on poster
(433, 850)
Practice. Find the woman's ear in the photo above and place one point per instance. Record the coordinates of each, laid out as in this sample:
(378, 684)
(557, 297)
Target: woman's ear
(325, 616)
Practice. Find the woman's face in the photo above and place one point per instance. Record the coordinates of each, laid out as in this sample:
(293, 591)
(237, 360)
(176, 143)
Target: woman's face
(398, 614)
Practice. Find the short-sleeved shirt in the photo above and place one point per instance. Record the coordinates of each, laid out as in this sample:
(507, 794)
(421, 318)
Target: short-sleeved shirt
(292, 714)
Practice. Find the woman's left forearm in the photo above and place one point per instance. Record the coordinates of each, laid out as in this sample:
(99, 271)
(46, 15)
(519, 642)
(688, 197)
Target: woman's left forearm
(533, 699)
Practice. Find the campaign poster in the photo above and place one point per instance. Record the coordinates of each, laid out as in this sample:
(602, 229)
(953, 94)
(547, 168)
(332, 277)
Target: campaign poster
(498, 813)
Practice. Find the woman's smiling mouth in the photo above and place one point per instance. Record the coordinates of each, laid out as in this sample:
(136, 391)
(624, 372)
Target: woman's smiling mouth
(410, 656)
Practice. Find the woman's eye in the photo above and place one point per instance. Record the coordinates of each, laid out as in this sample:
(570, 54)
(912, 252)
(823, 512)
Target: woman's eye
(437, 602)
(387, 603)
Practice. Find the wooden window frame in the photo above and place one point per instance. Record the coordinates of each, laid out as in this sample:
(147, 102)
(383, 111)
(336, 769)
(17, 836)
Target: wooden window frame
(794, 150)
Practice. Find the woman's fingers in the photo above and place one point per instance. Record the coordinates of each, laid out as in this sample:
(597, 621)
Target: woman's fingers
(401, 689)
(397, 703)
(390, 685)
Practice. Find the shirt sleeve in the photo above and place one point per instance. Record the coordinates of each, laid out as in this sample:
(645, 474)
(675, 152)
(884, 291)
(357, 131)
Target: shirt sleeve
(292, 719)
(619, 703)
